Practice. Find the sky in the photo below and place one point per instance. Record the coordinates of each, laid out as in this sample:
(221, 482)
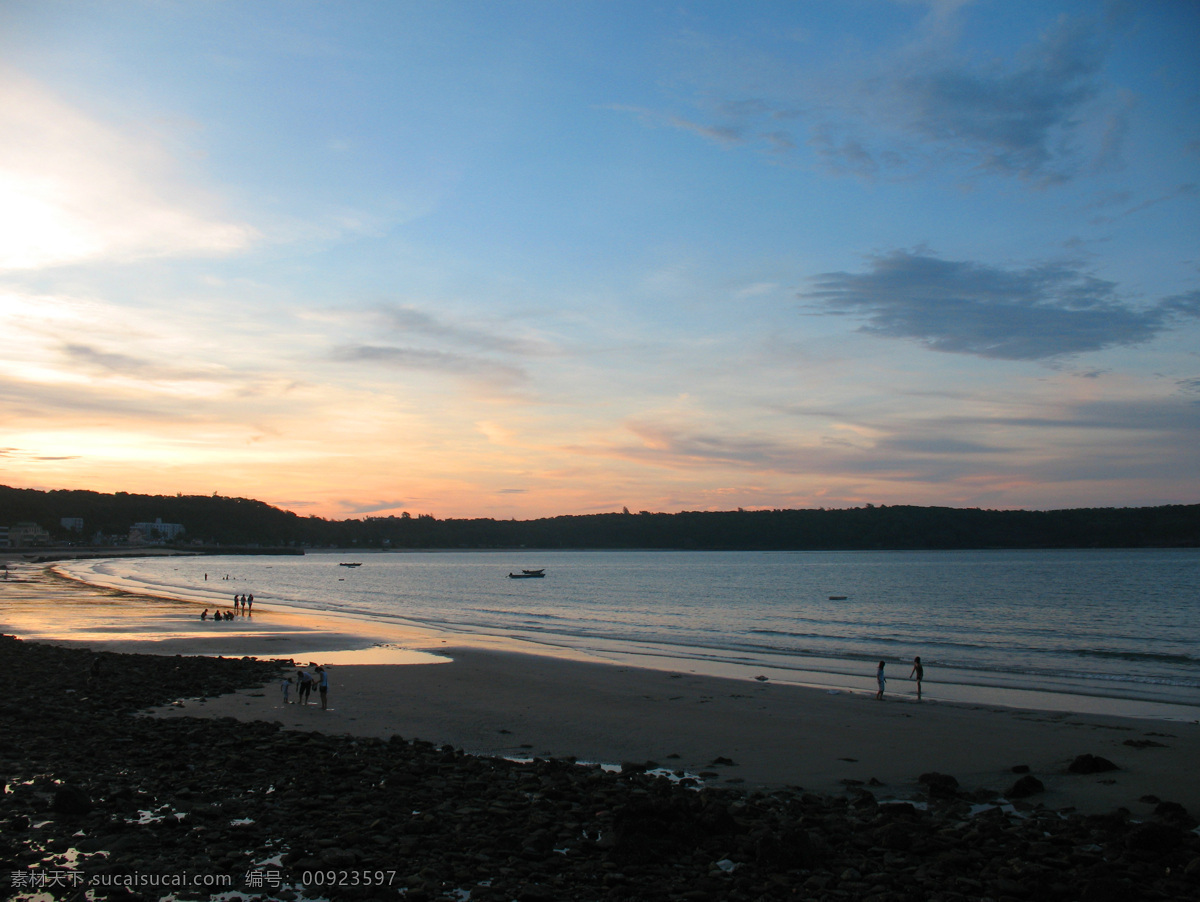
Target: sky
(527, 259)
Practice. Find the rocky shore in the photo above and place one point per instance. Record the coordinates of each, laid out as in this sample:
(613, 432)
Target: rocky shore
(100, 802)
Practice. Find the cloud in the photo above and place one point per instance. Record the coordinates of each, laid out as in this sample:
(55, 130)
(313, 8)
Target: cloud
(1037, 313)
(1043, 115)
(428, 361)
(1168, 415)
(109, 363)
(410, 320)
(686, 447)
(75, 189)
(19, 454)
(1020, 120)
(936, 445)
(370, 507)
(1189, 189)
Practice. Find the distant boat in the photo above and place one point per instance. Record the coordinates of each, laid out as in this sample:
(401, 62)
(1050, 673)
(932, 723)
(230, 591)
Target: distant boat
(837, 597)
(528, 574)
(349, 564)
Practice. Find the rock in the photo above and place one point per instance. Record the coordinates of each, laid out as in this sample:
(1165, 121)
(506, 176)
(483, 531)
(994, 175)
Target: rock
(1174, 813)
(896, 837)
(1090, 764)
(939, 785)
(1027, 786)
(787, 850)
(71, 800)
(1152, 837)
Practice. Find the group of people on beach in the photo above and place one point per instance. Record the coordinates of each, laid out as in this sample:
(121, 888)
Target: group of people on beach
(242, 604)
(918, 674)
(304, 686)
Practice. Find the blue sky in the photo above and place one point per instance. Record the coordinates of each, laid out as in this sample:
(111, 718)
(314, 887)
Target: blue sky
(523, 259)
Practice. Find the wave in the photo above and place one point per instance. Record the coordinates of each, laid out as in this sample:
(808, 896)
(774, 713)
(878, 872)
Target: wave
(1156, 657)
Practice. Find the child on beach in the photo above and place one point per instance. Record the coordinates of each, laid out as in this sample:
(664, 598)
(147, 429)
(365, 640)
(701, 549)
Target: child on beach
(286, 687)
(918, 672)
(879, 678)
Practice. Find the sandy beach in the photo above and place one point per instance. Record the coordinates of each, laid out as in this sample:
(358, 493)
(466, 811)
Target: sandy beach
(499, 702)
(523, 706)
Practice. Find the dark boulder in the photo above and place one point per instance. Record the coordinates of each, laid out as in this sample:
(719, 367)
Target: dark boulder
(1027, 786)
(1090, 764)
(938, 785)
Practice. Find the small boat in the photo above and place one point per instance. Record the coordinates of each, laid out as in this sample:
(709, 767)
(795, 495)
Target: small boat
(350, 564)
(837, 597)
(528, 574)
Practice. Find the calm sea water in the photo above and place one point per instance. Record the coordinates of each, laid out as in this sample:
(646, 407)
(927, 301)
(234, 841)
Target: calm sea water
(1124, 624)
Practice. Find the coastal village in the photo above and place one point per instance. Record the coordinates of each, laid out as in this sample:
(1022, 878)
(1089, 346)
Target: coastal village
(28, 534)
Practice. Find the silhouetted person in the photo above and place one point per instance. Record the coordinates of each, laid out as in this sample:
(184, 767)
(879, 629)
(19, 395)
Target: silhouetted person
(918, 673)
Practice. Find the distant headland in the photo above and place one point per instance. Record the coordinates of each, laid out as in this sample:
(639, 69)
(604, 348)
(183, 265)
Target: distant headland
(30, 518)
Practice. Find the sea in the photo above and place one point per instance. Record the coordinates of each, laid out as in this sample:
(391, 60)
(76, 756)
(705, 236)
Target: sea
(1113, 631)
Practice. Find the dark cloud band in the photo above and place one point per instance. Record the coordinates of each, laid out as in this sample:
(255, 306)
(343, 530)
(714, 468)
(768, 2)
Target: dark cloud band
(964, 307)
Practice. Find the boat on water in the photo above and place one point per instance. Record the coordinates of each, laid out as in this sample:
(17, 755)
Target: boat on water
(528, 574)
(350, 564)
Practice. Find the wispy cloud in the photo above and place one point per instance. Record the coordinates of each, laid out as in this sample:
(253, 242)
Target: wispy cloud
(410, 320)
(75, 189)
(1022, 119)
(428, 361)
(371, 507)
(924, 104)
(963, 307)
(1189, 189)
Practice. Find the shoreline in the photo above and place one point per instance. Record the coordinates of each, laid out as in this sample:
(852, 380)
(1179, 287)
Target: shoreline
(342, 631)
(501, 700)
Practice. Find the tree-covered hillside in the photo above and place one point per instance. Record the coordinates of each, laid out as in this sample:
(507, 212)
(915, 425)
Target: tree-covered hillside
(214, 520)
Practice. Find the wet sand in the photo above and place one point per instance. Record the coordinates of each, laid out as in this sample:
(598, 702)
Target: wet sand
(515, 705)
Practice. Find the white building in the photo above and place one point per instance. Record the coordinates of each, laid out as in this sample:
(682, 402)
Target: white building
(158, 531)
(27, 533)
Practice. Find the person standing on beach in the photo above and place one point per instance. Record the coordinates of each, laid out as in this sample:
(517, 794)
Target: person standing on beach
(303, 686)
(918, 673)
(880, 680)
(286, 687)
(323, 687)
(249, 605)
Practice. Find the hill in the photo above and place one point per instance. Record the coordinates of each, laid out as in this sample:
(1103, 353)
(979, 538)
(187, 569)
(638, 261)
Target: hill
(219, 521)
